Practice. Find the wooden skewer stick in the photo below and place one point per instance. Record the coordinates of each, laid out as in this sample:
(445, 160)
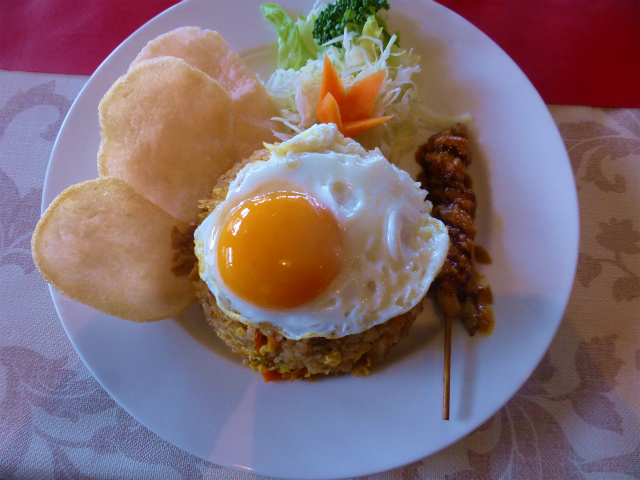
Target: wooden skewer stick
(446, 378)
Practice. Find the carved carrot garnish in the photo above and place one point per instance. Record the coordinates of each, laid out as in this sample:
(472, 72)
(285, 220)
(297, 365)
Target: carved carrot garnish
(329, 112)
(361, 98)
(350, 111)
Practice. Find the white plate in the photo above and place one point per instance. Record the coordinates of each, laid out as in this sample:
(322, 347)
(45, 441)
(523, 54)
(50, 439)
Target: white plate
(177, 379)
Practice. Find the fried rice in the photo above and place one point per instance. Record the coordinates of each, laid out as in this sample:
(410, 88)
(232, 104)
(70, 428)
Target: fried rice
(266, 350)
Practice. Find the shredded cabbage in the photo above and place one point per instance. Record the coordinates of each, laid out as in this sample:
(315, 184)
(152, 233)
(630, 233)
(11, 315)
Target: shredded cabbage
(296, 91)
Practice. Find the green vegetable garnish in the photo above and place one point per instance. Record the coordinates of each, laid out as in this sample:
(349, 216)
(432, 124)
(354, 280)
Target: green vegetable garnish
(366, 49)
(283, 368)
(295, 42)
(352, 14)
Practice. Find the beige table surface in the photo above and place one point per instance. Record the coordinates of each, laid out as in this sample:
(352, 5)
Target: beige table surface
(577, 416)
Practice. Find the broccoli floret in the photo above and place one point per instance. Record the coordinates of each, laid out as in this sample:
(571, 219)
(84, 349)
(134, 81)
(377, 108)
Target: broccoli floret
(350, 13)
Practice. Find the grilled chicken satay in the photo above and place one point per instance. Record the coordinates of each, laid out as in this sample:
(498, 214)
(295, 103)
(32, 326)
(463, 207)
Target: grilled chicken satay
(444, 159)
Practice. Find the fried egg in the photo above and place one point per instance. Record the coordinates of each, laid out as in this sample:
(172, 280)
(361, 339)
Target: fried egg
(324, 239)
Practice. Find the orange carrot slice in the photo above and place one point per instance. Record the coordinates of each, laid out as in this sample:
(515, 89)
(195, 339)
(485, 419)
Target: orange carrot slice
(295, 374)
(271, 375)
(350, 111)
(361, 98)
(355, 127)
(331, 82)
(329, 111)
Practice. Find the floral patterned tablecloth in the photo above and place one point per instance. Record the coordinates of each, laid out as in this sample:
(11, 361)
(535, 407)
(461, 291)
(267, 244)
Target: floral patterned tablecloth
(577, 416)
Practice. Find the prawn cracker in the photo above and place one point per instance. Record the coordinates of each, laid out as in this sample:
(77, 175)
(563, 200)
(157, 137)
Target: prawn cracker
(167, 130)
(207, 51)
(102, 244)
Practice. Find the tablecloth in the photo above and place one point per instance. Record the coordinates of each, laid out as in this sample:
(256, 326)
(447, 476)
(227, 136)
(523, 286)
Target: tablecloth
(577, 416)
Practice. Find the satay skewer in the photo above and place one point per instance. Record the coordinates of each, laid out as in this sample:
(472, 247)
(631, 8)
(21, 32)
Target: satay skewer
(446, 378)
(444, 160)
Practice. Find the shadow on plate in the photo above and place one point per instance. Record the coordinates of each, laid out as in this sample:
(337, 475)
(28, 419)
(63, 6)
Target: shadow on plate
(193, 322)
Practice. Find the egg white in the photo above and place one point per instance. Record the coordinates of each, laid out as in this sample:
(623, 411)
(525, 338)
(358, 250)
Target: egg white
(393, 247)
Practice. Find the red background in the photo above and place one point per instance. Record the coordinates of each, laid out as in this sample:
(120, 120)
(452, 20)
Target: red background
(583, 52)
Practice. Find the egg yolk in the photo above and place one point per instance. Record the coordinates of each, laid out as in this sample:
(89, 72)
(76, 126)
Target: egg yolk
(280, 250)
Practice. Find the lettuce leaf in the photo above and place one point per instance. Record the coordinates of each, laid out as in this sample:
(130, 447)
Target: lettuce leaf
(296, 45)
